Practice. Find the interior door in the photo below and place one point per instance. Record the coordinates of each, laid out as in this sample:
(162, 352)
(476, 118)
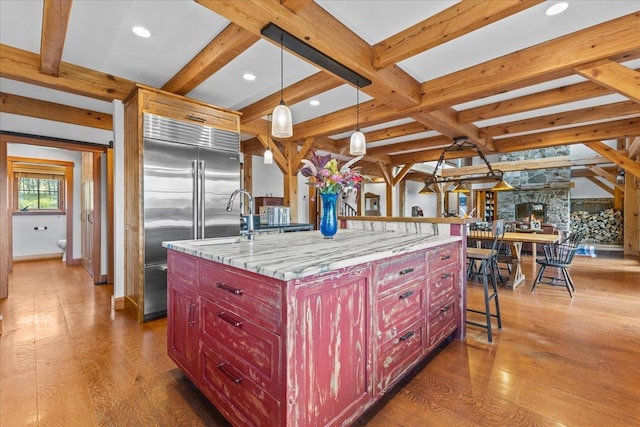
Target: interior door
(87, 214)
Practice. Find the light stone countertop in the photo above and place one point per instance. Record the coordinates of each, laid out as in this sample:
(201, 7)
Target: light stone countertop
(291, 256)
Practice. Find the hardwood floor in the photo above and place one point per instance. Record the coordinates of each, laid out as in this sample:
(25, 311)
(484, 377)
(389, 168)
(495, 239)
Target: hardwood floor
(66, 359)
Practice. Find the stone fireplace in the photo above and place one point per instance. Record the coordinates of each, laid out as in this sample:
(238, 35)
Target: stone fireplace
(548, 187)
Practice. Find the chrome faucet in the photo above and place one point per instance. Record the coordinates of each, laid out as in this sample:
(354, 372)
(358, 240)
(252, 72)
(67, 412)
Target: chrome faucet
(230, 206)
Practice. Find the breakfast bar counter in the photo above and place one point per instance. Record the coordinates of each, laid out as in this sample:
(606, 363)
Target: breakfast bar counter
(297, 330)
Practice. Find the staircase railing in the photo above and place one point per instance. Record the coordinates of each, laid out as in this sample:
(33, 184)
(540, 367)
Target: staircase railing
(345, 209)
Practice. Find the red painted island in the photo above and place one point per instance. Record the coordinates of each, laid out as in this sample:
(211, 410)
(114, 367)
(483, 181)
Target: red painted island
(295, 330)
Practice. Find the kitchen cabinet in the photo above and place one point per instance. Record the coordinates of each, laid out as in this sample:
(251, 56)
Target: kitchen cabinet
(319, 349)
(149, 100)
(183, 313)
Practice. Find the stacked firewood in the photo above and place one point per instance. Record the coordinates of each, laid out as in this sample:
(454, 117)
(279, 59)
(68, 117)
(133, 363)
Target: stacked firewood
(602, 227)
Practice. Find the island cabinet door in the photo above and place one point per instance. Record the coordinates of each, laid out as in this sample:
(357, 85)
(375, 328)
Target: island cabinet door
(329, 381)
(182, 312)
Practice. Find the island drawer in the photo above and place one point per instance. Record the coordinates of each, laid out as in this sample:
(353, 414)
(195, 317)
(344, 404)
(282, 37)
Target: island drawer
(233, 391)
(441, 286)
(400, 309)
(399, 271)
(258, 299)
(443, 256)
(442, 322)
(256, 350)
(396, 356)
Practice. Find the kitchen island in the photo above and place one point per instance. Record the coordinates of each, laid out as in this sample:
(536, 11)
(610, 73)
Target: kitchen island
(296, 330)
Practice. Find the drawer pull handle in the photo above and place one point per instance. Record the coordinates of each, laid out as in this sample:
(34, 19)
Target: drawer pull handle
(230, 320)
(223, 367)
(407, 335)
(229, 289)
(407, 270)
(196, 118)
(445, 257)
(406, 294)
(192, 319)
(445, 308)
(446, 276)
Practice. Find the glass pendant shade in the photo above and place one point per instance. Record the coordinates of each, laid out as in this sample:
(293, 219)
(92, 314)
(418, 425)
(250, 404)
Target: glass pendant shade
(282, 125)
(268, 157)
(358, 144)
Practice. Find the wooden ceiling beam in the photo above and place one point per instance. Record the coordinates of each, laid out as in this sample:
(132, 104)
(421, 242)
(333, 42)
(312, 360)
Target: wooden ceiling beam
(16, 104)
(618, 39)
(429, 143)
(445, 121)
(584, 172)
(430, 156)
(371, 112)
(606, 175)
(534, 101)
(613, 76)
(634, 148)
(575, 135)
(618, 158)
(225, 47)
(387, 133)
(316, 84)
(601, 184)
(402, 173)
(279, 158)
(55, 21)
(601, 112)
(326, 34)
(453, 22)
(24, 66)
(529, 164)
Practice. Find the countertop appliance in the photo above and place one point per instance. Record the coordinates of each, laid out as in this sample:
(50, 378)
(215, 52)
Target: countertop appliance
(189, 172)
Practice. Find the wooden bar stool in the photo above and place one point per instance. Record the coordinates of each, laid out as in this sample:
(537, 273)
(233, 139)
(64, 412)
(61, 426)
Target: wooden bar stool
(486, 255)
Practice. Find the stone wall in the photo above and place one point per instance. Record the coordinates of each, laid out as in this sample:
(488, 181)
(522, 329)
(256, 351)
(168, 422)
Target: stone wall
(549, 186)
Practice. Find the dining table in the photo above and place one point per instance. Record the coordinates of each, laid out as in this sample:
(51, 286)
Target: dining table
(515, 240)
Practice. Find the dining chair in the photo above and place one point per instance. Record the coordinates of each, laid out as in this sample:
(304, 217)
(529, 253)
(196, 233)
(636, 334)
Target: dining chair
(482, 254)
(559, 255)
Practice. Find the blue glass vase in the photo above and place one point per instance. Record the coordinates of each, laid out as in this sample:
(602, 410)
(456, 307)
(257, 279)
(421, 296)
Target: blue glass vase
(329, 219)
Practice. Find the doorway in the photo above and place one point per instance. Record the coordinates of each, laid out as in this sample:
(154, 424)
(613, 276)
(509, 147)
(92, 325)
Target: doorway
(95, 228)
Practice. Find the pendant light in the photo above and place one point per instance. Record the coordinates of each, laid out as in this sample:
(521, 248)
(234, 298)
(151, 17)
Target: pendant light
(268, 154)
(358, 143)
(282, 122)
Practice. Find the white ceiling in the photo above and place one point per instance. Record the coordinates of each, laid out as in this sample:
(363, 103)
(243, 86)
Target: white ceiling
(99, 37)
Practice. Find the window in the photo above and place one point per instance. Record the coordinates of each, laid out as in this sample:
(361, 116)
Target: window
(39, 193)
(38, 187)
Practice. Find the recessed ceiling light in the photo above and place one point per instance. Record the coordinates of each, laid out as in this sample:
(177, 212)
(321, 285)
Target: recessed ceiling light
(557, 8)
(314, 102)
(141, 31)
(249, 76)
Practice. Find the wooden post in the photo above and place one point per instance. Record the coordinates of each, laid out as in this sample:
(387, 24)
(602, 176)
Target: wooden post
(632, 214)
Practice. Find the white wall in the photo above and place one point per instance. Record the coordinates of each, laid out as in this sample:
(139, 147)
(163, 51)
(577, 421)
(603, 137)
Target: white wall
(29, 242)
(268, 180)
(585, 189)
(22, 231)
(428, 202)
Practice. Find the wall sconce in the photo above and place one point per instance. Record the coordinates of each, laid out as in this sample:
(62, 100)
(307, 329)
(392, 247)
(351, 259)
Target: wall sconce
(620, 177)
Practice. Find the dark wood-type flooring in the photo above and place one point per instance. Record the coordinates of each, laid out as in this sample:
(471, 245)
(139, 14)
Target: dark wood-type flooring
(67, 359)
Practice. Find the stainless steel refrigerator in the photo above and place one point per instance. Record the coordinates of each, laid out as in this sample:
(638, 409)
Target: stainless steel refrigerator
(190, 170)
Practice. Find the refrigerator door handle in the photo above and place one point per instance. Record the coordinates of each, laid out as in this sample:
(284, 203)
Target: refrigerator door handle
(202, 197)
(194, 202)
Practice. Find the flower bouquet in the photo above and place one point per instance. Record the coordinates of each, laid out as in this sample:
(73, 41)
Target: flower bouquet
(331, 179)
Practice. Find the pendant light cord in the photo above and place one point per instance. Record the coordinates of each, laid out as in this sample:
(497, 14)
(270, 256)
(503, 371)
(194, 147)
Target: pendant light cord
(358, 108)
(281, 70)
